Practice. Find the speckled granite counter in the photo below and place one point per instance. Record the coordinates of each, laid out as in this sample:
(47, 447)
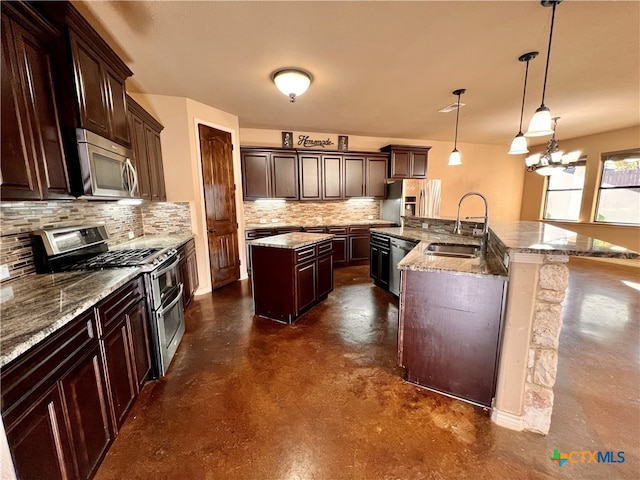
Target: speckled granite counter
(540, 237)
(43, 303)
(151, 241)
(291, 240)
(417, 260)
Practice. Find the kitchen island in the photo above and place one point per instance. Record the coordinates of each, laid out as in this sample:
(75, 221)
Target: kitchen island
(535, 256)
(292, 272)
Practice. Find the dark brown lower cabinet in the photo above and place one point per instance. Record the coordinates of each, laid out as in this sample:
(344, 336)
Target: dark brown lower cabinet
(188, 268)
(64, 400)
(41, 434)
(340, 245)
(87, 409)
(358, 245)
(450, 332)
(120, 370)
(287, 282)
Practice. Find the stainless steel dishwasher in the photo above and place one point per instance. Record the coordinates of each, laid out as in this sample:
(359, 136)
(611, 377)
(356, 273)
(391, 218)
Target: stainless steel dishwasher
(399, 248)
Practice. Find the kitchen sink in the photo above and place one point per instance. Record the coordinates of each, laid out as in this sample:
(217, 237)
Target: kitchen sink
(452, 250)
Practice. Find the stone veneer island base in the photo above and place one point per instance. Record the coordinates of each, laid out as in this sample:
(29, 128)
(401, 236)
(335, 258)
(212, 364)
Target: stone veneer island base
(535, 255)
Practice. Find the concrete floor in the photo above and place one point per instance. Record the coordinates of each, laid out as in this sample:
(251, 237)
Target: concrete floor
(247, 398)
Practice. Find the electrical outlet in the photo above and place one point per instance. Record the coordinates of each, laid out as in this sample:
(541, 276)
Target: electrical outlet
(131, 235)
(477, 232)
(425, 225)
(370, 217)
(4, 272)
(263, 220)
(275, 220)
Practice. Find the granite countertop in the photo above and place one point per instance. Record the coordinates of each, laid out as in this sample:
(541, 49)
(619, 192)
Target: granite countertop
(338, 223)
(153, 241)
(36, 305)
(544, 238)
(416, 260)
(291, 240)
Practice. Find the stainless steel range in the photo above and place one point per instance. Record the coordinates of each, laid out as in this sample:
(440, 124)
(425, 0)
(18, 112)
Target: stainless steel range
(85, 248)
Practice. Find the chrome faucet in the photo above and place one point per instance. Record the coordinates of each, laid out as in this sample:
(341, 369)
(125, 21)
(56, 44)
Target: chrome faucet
(457, 229)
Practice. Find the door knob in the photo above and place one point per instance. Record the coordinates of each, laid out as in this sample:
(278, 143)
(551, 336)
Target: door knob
(211, 230)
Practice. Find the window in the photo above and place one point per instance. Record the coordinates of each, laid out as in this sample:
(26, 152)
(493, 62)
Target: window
(564, 193)
(619, 192)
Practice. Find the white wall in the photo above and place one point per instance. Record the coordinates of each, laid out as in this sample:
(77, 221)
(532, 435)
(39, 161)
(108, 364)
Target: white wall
(182, 165)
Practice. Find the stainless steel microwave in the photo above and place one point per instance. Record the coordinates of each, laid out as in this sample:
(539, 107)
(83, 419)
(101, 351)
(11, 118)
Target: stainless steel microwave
(106, 171)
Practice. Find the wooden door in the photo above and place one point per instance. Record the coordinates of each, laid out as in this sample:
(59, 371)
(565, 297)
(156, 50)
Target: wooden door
(219, 197)
(118, 107)
(140, 156)
(138, 324)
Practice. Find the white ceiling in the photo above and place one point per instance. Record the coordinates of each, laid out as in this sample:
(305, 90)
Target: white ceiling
(385, 68)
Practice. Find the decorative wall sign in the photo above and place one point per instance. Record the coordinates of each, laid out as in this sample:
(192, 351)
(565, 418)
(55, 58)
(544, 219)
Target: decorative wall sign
(307, 142)
(287, 139)
(343, 142)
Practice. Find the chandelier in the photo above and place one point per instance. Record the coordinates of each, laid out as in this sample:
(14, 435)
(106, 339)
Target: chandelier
(553, 160)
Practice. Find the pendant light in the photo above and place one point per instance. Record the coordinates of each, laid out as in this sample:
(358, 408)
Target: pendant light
(292, 81)
(519, 144)
(454, 157)
(540, 124)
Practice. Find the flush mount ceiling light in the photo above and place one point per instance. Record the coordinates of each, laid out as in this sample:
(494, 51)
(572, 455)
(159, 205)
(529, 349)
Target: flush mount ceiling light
(292, 81)
(519, 144)
(454, 157)
(552, 160)
(540, 124)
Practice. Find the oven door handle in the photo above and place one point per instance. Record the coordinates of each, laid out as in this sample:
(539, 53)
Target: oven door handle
(161, 312)
(159, 273)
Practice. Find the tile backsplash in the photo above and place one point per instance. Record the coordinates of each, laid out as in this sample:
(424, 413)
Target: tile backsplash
(19, 219)
(310, 212)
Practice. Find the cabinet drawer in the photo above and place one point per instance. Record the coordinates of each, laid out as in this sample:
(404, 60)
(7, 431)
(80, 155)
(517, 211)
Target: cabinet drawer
(314, 229)
(25, 379)
(338, 230)
(304, 254)
(112, 308)
(325, 247)
(258, 233)
(281, 230)
(380, 241)
(358, 229)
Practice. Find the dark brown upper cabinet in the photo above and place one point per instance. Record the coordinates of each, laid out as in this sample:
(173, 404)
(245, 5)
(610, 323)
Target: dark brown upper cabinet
(147, 151)
(269, 174)
(407, 161)
(91, 76)
(33, 163)
(312, 174)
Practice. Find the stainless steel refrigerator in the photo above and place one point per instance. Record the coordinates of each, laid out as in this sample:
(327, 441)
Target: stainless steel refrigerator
(404, 198)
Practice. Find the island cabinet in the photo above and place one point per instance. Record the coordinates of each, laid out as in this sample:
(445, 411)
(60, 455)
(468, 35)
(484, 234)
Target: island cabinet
(255, 233)
(32, 164)
(188, 268)
(269, 174)
(450, 331)
(286, 281)
(64, 400)
(407, 161)
(91, 76)
(147, 151)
